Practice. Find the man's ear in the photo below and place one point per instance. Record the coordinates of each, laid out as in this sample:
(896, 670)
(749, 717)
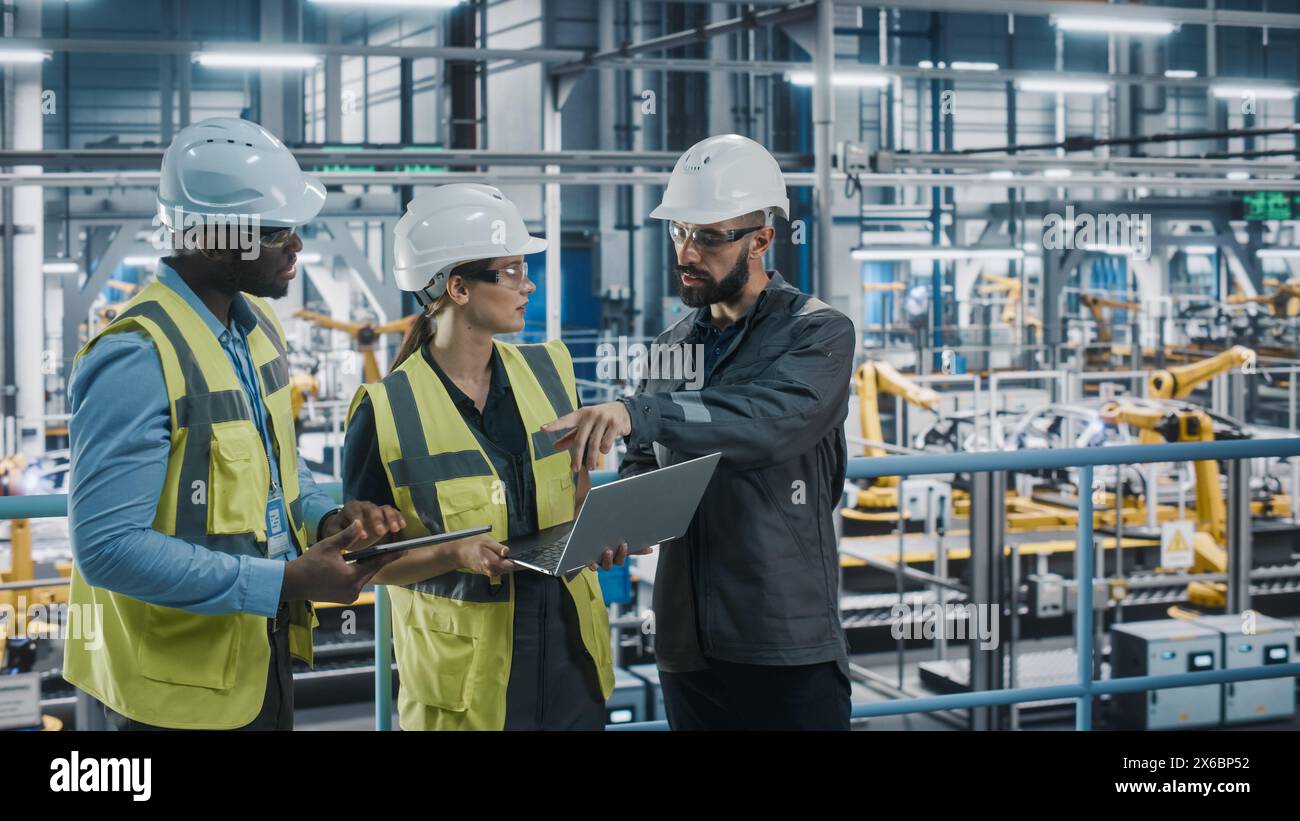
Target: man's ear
(762, 241)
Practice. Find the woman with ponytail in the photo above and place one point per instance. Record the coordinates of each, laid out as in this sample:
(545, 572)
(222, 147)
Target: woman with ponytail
(453, 438)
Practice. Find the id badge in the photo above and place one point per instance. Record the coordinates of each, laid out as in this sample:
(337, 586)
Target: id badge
(278, 543)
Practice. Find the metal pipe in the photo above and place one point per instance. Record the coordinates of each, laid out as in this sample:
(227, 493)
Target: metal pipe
(823, 147)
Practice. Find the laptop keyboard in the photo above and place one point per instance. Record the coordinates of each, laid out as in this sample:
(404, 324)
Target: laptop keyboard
(548, 555)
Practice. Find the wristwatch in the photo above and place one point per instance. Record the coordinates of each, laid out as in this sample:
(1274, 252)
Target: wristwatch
(325, 519)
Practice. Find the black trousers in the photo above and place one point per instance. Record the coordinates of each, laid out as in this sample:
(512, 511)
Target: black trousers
(277, 706)
(730, 696)
(553, 684)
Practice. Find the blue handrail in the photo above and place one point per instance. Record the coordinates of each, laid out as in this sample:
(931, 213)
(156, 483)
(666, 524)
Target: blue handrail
(868, 468)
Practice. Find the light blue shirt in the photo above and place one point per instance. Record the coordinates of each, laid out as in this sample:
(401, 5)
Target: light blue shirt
(121, 437)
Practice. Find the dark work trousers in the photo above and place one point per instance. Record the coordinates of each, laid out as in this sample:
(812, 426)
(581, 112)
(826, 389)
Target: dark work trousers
(729, 696)
(553, 682)
(277, 706)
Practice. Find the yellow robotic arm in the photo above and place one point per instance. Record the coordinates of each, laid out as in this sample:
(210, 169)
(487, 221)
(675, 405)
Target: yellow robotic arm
(364, 334)
(1179, 382)
(1095, 303)
(873, 379)
(1186, 426)
(1011, 286)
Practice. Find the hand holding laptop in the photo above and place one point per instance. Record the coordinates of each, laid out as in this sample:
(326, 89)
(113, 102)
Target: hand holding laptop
(612, 557)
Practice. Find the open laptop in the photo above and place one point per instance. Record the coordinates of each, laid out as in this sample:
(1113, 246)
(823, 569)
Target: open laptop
(641, 510)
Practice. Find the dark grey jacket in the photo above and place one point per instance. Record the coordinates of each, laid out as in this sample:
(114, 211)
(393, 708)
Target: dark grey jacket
(755, 580)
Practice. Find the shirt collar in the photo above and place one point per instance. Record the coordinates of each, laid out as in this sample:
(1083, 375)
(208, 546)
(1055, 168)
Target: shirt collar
(240, 312)
(499, 385)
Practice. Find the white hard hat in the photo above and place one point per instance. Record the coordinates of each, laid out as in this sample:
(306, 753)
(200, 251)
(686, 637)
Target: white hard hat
(225, 166)
(721, 178)
(451, 224)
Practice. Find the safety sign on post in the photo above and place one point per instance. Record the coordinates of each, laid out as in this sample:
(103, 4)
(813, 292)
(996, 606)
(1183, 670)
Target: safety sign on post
(1176, 543)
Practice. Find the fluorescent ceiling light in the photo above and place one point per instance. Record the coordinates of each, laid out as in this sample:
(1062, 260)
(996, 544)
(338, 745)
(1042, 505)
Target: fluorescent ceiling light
(1056, 173)
(1113, 25)
(1113, 250)
(233, 59)
(897, 238)
(1238, 175)
(309, 257)
(964, 66)
(904, 254)
(1047, 86)
(1206, 250)
(428, 4)
(140, 262)
(1180, 74)
(1001, 175)
(60, 266)
(23, 55)
(1261, 93)
(841, 78)
(1277, 253)
(925, 64)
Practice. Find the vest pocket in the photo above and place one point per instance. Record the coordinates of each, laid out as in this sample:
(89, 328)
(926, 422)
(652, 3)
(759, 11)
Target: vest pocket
(185, 648)
(559, 498)
(238, 479)
(443, 681)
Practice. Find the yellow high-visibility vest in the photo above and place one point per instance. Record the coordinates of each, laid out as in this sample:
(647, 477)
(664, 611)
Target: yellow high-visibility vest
(453, 634)
(169, 667)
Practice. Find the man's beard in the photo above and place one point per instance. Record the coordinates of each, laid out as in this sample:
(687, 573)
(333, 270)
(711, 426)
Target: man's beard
(709, 292)
(251, 279)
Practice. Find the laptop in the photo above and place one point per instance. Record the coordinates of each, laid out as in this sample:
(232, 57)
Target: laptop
(642, 510)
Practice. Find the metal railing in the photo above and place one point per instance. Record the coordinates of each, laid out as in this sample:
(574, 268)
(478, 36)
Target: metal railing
(1082, 691)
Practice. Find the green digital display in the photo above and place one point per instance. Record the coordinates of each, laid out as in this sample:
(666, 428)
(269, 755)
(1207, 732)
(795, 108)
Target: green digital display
(1269, 205)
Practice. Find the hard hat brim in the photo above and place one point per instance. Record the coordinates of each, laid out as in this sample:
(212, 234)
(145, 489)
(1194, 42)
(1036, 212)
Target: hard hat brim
(700, 216)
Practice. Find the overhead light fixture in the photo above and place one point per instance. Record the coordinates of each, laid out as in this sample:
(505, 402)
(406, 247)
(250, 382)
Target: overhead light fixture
(18, 56)
(1056, 173)
(427, 4)
(1049, 86)
(964, 66)
(60, 266)
(877, 238)
(1258, 92)
(841, 78)
(235, 59)
(947, 253)
(925, 64)
(1180, 74)
(1277, 253)
(1002, 174)
(1203, 250)
(309, 257)
(140, 261)
(1113, 25)
(1113, 250)
(1238, 175)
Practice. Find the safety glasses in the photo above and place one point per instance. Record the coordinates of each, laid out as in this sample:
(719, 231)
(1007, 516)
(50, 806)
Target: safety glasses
(275, 237)
(707, 237)
(513, 277)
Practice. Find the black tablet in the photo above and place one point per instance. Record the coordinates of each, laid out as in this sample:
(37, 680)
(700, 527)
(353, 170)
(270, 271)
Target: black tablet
(409, 544)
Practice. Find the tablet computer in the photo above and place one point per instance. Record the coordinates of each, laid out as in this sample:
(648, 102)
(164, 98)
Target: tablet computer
(410, 544)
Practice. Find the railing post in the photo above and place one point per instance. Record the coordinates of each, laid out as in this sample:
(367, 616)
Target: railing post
(383, 660)
(1083, 572)
(1239, 535)
(988, 510)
